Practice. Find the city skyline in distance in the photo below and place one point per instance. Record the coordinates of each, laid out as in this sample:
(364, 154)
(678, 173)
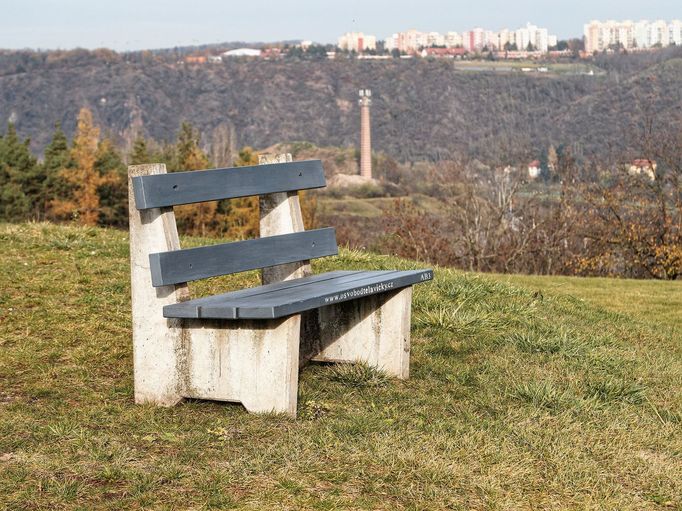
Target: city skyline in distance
(128, 25)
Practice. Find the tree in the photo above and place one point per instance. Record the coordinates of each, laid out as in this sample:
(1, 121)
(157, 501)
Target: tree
(55, 158)
(140, 152)
(113, 192)
(243, 213)
(84, 203)
(201, 218)
(20, 178)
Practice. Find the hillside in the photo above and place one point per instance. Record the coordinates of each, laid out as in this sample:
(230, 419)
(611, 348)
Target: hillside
(423, 110)
(518, 400)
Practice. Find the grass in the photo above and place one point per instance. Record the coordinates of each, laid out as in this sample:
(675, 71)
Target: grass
(517, 400)
(647, 300)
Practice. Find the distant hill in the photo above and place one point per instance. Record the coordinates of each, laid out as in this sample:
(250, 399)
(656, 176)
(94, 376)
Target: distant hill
(422, 110)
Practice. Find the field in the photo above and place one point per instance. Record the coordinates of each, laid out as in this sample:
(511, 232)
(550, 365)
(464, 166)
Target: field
(521, 397)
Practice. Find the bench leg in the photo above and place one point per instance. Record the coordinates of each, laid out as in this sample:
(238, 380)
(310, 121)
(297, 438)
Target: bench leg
(252, 362)
(375, 330)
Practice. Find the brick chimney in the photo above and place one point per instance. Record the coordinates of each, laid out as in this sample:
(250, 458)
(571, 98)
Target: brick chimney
(365, 135)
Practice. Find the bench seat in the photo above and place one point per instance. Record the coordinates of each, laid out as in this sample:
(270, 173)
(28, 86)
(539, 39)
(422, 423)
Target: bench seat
(297, 295)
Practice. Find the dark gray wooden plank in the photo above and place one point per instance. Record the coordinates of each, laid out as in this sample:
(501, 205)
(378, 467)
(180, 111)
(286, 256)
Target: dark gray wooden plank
(286, 302)
(199, 263)
(191, 308)
(231, 306)
(278, 300)
(178, 188)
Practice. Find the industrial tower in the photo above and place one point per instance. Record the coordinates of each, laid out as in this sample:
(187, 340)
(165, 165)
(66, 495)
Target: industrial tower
(365, 136)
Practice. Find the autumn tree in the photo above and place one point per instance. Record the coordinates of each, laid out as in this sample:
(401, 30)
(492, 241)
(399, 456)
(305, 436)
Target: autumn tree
(84, 203)
(113, 192)
(201, 218)
(242, 214)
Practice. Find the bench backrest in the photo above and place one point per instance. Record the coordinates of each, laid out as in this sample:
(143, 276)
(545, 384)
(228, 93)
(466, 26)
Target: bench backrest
(177, 188)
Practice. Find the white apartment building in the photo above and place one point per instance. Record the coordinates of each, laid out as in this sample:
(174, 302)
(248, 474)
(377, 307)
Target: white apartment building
(357, 42)
(534, 36)
(602, 35)
(453, 40)
(472, 40)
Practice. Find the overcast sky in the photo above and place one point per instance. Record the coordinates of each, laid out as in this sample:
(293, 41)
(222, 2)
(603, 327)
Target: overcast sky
(139, 24)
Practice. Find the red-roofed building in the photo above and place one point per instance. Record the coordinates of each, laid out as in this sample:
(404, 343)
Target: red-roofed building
(444, 53)
(534, 169)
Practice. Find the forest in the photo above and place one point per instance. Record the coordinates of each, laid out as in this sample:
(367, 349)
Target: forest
(595, 216)
(422, 110)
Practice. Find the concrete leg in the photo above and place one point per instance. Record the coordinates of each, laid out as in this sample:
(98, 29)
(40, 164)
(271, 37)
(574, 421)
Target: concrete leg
(375, 330)
(252, 362)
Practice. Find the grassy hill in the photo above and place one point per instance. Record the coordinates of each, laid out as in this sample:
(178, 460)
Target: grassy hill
(518, 399)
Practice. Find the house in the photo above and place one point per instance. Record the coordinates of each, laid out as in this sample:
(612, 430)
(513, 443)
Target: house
(196, 59)
(271, 53)
(534, 169)
(242, 52)
(644, 166)
(440, 53)
(215, 59)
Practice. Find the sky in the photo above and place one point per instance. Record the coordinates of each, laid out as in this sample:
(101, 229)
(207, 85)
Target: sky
(149, 24)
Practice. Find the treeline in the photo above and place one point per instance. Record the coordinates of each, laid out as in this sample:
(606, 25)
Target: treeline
(600, 217)
(85, 181)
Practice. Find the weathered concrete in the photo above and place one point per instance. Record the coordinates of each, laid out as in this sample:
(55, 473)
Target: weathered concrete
(375, 330)
(252, 362)
(280, 213)
(158, 343)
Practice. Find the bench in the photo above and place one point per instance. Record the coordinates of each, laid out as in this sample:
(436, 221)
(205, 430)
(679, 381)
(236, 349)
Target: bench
(247, 346)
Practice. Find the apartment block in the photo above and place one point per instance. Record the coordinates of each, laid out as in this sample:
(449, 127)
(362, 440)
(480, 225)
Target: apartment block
(357, 42)
(603, 35)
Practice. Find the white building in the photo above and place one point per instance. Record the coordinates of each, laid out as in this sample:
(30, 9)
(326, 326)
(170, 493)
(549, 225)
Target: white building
(602, 35)
(357, 42)
(242, 52)
(453, 40)
(532, 36)
(435, 39)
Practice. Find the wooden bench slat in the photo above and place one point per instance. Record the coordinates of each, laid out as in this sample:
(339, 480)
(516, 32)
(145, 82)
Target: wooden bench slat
(191, 264)
(192, 308)
(275, 301)
(288, 302)
(175, 188)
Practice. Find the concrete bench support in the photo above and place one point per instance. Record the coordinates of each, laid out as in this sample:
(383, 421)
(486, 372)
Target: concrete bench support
(252, 362)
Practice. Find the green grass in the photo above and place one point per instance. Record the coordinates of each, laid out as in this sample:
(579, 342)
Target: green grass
(647, 300)
(517, 400)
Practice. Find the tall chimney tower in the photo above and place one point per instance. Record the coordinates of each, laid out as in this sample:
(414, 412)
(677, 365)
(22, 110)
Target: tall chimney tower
(365, 136)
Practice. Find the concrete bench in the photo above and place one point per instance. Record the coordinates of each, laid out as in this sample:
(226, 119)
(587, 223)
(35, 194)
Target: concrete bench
(247, 345)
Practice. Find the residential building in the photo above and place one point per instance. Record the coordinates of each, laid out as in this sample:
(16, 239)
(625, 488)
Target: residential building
(532, 37)
(357, 42)
(242, 52)
(443, 53)
(453, 40)
(534, 169)
(196, 59)
(643, 166)
(629, 35)
(435, 39)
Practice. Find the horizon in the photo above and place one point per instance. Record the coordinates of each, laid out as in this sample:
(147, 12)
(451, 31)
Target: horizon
(131, 26)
